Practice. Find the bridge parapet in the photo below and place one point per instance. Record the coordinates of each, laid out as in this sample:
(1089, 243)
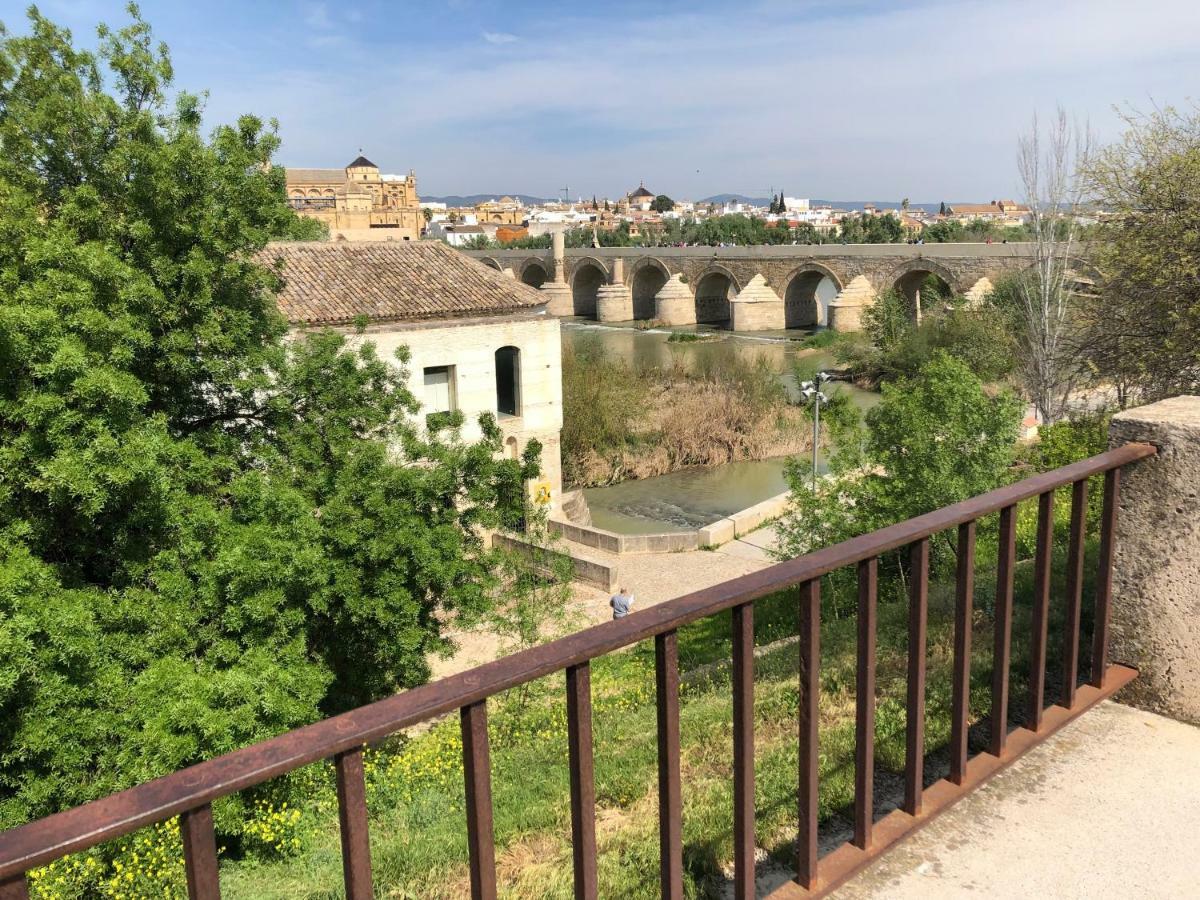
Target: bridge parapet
(793, 272)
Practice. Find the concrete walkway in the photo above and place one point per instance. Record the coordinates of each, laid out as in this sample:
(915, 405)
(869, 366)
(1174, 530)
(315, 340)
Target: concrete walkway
(1108, 807)
(653, 578)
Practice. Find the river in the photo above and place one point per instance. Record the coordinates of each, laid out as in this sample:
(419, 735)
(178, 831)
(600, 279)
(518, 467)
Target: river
(693, 497)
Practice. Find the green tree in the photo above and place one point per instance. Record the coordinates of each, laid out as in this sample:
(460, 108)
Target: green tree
(207, 535)
(932, 440)
(663, 203)
(1141, 330)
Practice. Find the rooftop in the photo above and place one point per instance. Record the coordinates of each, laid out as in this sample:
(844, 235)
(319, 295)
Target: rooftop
(334, 283)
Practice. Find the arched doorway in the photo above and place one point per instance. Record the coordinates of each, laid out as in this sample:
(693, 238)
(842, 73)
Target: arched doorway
(924, 289)
(807, 298)
(584, 286)
(713, 293)
(648, 280)
(534, 274)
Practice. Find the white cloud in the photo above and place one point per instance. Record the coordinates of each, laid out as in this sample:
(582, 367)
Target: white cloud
(499, 37)
(922, 100)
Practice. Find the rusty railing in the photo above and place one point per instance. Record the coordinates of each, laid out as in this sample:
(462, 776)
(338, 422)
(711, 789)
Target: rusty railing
(189, 793)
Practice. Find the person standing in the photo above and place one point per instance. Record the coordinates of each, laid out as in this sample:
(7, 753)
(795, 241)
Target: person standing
(621, 603)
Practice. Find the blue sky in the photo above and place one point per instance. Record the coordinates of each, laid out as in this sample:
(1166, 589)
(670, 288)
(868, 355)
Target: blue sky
(839, 100)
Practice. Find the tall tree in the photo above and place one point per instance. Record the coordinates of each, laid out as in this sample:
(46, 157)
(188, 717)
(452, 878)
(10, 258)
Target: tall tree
(1049, 162)
(1142, 329)
(207, 535)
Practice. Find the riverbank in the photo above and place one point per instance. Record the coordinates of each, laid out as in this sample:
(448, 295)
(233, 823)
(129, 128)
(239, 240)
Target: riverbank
(631, 417)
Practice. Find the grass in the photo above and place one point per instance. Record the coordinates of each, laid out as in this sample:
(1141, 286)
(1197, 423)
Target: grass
(820, 340)
(415, 786)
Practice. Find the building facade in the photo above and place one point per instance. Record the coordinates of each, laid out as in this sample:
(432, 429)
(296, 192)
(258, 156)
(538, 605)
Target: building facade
(357, 203)
(478, 341)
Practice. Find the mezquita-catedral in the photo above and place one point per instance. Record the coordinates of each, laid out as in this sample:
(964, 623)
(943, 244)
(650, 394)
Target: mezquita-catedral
(357, 203)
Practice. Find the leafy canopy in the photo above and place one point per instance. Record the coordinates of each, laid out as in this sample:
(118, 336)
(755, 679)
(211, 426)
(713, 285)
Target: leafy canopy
(207, 535)
(933, 439)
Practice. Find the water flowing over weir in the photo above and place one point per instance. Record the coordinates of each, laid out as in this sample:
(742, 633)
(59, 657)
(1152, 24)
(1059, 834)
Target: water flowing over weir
(693, 497)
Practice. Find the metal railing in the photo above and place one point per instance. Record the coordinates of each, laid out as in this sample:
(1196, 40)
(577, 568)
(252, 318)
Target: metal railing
(190, 792)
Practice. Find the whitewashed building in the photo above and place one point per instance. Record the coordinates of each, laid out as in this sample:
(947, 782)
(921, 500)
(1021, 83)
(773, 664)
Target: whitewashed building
(478, 340)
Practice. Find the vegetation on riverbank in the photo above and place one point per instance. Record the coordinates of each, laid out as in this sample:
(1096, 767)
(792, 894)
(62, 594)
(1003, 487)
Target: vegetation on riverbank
(622, 421)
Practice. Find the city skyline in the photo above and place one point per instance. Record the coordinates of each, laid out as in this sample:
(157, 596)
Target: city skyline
(860, 101)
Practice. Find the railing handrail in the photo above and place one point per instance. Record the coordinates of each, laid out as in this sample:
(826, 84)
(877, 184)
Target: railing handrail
(39, 842)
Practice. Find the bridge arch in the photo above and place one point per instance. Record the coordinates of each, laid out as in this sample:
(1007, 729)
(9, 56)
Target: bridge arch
(533, 272)
(588, 275)
(909, 278)
(646, 278)
(716, 286)
(802, 305)
(491, 262)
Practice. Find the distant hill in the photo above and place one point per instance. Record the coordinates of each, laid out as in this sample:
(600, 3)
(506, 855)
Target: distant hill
(472, 199)
(530, 200)
(836, 204)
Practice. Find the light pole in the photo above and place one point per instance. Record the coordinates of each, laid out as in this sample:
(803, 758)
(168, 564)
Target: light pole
(812, 393)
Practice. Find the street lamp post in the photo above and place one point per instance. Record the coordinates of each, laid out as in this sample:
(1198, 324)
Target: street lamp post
(812, 393)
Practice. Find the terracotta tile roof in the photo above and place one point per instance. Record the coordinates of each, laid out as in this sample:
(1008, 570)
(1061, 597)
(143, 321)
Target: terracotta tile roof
(335, 282)
(969, 209)
(308, 175)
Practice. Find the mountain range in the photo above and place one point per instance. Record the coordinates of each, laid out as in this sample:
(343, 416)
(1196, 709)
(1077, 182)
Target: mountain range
(530, 200)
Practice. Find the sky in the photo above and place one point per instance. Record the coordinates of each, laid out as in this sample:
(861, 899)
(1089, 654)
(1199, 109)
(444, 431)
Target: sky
(830, 99)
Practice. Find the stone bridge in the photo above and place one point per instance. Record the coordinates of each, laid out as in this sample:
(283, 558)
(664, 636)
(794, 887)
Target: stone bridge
(751, 288)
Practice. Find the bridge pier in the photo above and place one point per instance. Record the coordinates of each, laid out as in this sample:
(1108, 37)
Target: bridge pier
(559, 299)
(674, 303)
(614, 301)
(845, 310)
(756, 307)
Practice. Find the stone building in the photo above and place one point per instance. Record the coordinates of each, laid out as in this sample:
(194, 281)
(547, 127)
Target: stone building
(640, 199)
(478, 340)
(505, 211)
(357, 203)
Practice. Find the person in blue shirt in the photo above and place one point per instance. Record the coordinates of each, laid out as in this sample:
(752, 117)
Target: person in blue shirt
(621, 603)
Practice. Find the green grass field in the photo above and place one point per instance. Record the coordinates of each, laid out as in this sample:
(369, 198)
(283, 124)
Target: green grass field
(418, 828)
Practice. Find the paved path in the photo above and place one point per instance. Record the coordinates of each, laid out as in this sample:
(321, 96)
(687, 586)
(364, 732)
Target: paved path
(653, 578)
(1108, 807)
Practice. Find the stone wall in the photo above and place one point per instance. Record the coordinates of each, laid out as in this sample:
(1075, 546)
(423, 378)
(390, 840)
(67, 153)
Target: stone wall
(1156, 563)
(470, 346)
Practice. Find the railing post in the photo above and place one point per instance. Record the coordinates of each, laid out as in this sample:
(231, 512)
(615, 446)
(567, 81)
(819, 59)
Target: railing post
(477, 776)
(1108, 528)
(1079, 492)
(914, 732)
(810, 692)
(743, 751)
(1002, 646)
(1043, 556)
(352, 817)
(670, 798)
(960, 692)
(583, 788)
(200, 853)
(864, 702)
